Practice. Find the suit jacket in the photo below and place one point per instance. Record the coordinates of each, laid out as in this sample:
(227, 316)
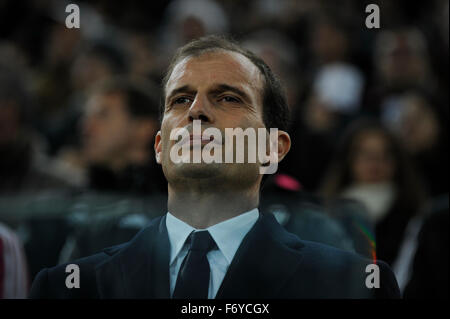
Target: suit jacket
(270, 263)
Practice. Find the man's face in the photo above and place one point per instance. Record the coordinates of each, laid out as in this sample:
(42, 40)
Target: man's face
(106, 128)
(222, 89)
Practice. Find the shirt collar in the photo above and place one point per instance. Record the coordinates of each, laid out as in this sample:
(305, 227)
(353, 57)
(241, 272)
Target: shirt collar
(228, 234)
(178, 232)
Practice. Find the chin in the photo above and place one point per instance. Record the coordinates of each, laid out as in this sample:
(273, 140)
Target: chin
(200, 170)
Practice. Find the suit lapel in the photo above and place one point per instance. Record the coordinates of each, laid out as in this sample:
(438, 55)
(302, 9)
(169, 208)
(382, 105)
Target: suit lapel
(263, 263)
(159, 279)
(141, 269)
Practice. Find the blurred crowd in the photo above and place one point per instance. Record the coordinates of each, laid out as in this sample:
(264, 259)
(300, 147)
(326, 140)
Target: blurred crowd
(368, 167)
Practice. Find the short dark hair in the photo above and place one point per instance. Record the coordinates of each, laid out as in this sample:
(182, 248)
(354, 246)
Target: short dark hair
(142, 97)
(275, 108)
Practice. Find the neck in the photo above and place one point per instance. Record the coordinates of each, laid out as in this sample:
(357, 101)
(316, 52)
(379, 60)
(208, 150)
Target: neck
(202, 209)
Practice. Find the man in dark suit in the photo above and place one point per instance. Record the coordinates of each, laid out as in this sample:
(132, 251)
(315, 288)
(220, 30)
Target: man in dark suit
(214, 242)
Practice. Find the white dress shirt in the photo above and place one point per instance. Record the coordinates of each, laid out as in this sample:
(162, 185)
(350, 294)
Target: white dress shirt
(228, 236)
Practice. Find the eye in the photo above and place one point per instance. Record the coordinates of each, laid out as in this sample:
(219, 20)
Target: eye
(182, 100)
(230, 99)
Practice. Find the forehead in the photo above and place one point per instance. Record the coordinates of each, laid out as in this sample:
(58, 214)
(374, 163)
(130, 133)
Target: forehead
(217, 67)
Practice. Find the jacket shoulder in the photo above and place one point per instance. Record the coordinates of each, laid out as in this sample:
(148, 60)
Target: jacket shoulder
(74, 279)
(330, 272)
(324, 271)
(51, 283)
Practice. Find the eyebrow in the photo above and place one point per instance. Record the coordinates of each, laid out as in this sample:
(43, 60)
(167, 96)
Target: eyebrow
(225, 87)
(182, 89)
(219, 88)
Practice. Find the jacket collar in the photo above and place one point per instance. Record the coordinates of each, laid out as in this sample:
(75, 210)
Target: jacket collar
(141, 268)
(266, 259)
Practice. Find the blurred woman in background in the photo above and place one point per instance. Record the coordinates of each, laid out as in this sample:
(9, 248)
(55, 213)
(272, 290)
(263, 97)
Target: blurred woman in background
(371, 166)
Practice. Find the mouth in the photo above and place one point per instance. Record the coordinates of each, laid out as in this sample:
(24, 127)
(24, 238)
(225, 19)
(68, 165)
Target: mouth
(200, 140)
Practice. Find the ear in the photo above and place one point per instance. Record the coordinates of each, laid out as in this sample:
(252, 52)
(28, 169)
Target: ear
(279, 145)
(158, 147)
(284, 144)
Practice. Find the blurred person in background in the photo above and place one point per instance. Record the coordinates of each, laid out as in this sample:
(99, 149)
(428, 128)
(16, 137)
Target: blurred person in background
(402, 59)
(14, 282)
(26, 172)
(371, 166)
(50, 78)
(60, 93)
(119, 122)
(331, 100)
(422, 128)
(144, 59)
(23, 164)
(329, 40)
(402, 63)
(95, 62)
(98, 61)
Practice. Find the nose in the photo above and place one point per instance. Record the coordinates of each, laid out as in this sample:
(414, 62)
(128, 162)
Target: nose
(201, 109)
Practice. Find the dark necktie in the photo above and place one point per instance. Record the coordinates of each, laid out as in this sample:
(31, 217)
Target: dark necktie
(193, 277)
